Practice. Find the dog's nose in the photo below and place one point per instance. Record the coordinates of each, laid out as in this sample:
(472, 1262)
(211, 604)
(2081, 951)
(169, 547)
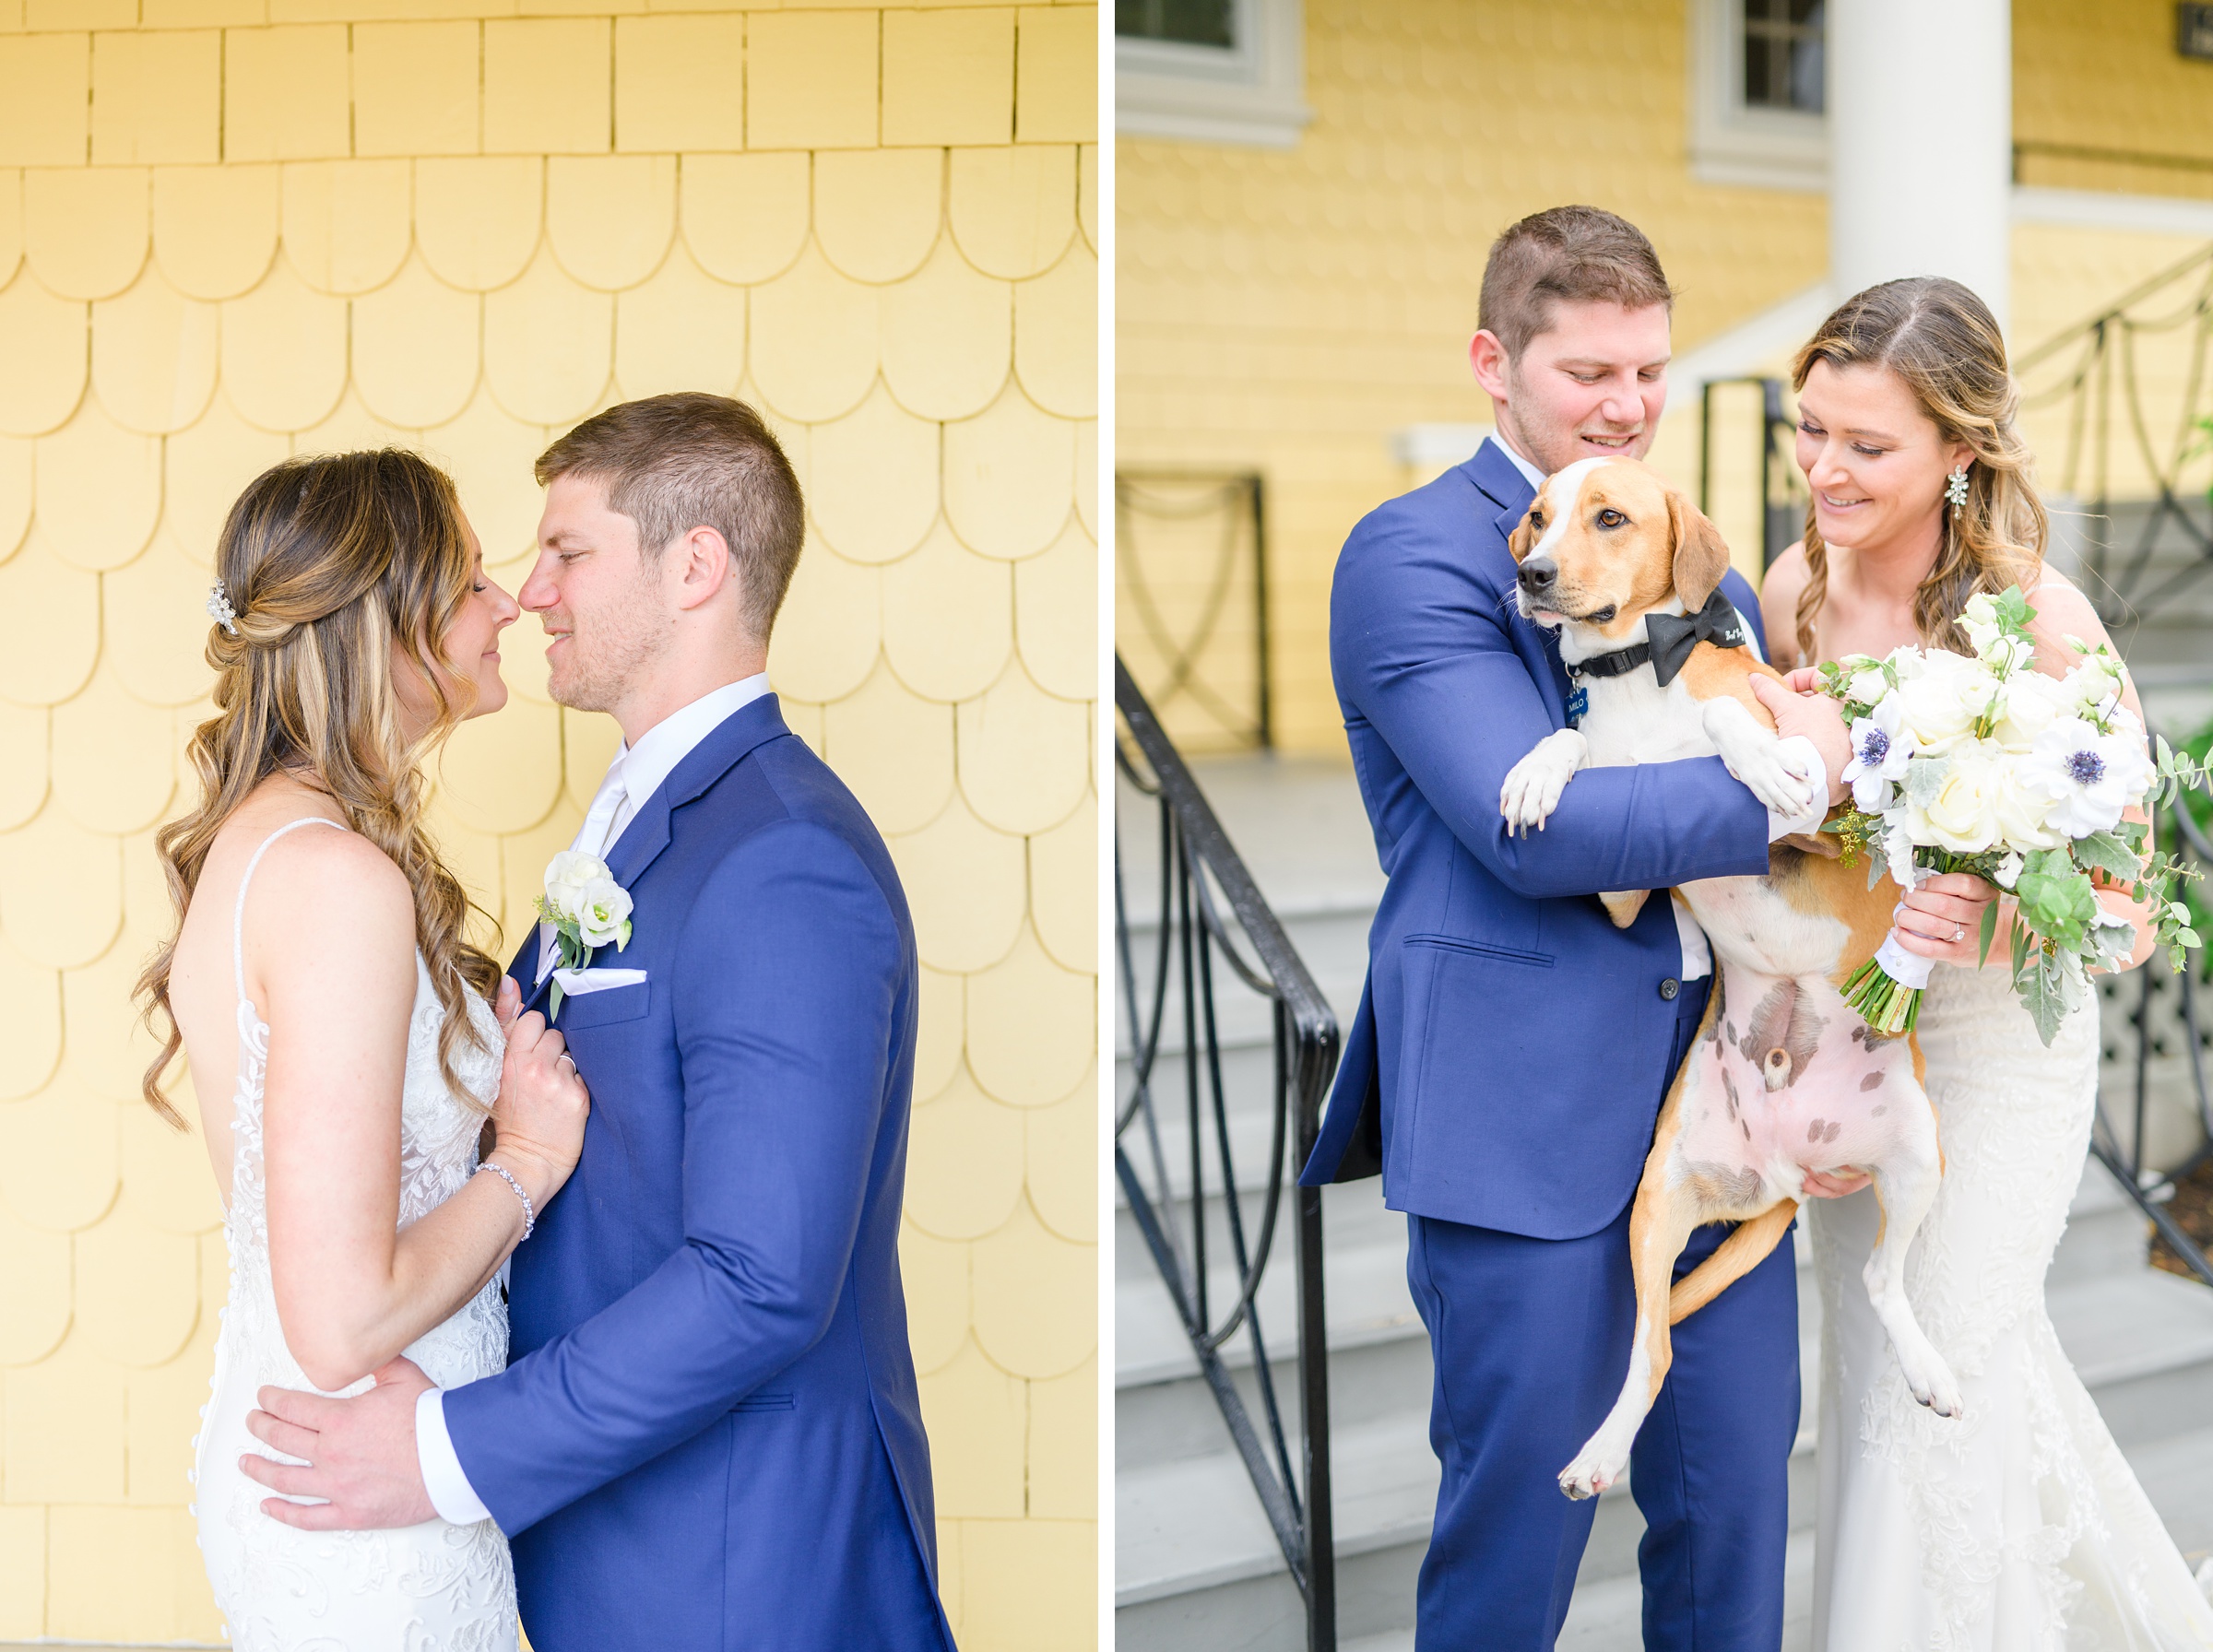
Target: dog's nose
(1539, 575)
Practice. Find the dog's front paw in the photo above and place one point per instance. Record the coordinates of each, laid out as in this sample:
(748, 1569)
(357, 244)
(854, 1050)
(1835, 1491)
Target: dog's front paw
(1781, 789)
(1533, 786)
(1757, 758)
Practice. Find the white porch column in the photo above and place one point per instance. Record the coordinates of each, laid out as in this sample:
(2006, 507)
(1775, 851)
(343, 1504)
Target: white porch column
(1920, 143)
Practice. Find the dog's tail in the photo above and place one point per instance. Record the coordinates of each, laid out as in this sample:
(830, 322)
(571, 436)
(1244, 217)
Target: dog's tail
(1733, 1258)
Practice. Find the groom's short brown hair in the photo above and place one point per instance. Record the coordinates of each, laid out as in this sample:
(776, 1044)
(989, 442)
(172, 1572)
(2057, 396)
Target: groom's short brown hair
(674, 463)
(1573, 253)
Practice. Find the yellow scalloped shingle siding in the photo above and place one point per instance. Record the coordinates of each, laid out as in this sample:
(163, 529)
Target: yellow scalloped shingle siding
(232, 230)
(1286, 310)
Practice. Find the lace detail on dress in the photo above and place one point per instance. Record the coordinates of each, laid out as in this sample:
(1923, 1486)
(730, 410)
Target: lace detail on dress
(433, 1587)
(2019, 1525)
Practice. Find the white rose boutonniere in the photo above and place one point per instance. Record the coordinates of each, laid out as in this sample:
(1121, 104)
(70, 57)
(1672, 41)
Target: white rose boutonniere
(587, 909)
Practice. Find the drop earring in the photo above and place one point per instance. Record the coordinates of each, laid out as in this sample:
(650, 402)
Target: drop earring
(1955, 490)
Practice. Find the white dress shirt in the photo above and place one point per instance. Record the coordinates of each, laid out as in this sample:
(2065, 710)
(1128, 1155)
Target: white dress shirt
(1697, 954)
(636, 775)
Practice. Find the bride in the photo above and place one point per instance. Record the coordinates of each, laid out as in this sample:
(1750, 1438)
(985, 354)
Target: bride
(335, 1021)
(2020, 1526)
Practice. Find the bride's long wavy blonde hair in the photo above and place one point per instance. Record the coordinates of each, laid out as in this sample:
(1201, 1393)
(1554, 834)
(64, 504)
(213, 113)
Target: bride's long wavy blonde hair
(1943, 342)
(343, 569)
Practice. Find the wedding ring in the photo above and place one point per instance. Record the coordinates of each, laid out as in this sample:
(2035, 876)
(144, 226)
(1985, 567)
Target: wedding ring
(1959, 935)
(565, 1056)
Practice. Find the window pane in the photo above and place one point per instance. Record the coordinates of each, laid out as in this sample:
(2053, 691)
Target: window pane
(1782, 54)
(1187, 22)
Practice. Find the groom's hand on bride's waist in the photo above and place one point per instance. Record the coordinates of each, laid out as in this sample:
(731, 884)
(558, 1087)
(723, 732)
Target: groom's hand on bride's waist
(357, 1455)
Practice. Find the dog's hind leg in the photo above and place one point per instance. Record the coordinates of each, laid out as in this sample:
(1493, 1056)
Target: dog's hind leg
(1659, 1226)
(1906, 1183)
(1623, 905)
(1735, 1256)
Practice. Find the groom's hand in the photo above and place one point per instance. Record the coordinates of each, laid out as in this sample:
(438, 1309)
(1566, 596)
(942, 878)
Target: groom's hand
(360, 1454)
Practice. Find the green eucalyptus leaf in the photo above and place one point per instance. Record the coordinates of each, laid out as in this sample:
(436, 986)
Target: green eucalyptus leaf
(2106, 852)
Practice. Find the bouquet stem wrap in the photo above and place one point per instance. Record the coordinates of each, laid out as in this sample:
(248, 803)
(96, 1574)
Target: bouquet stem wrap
(1887, 989)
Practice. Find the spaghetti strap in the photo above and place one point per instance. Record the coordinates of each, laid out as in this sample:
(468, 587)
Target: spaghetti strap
(237, 917)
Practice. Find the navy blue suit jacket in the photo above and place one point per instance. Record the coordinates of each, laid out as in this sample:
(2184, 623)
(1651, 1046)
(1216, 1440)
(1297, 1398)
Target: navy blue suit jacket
(1508, 1060)
(709, 1438)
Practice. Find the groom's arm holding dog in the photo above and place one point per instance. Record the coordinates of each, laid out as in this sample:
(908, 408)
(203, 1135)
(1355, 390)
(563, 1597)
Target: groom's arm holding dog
(789, 978)
(1422, 651)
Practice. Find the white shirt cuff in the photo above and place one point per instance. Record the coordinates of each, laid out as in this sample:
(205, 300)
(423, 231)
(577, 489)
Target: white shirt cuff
(1804, 760)
(451, 1494)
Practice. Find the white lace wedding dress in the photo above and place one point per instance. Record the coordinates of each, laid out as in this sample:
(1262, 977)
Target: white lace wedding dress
(2018, 1528)
(431, 1587)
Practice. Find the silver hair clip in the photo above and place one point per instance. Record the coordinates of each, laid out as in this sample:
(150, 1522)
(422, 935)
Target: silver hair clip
(221, 610)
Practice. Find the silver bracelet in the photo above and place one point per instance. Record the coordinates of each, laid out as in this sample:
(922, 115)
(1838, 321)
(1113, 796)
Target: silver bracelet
(529, 1211)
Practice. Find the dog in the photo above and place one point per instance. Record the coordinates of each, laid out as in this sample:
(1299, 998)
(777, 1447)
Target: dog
(1784, 1078)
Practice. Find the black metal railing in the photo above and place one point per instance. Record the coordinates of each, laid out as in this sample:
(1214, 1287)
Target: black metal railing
(2091, 372)
(1210, 912)
(1189, 598)
(2166, 1015)
(1782, 488)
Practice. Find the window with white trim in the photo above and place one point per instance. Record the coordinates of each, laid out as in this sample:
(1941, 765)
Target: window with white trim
(1758, 97)
(1213, 71)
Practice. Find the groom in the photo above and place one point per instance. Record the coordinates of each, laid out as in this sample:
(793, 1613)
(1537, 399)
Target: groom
(709, 1439)
(1512, 1047)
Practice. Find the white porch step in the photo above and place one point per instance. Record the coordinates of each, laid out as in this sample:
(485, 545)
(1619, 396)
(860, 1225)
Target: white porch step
(1198, 1567)
(1196, 1556)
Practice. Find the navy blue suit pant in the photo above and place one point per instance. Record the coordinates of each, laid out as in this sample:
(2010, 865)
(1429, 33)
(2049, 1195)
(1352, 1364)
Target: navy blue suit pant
(1531, 1344)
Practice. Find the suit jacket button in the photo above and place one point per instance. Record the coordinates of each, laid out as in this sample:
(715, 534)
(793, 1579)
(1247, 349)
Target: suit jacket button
(1670, 988)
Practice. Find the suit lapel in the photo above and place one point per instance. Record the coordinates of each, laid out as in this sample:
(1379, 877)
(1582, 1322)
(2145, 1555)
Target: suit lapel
(1497, 479)
(647, 833)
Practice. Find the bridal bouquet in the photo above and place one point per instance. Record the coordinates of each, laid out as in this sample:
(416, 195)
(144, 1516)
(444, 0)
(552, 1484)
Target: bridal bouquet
(1981, 763)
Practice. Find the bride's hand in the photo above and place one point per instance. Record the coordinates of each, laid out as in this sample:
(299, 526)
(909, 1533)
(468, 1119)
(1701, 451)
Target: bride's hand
(542, 1103)
(1943, 918)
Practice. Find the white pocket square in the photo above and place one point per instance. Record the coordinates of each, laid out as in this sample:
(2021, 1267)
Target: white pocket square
(576, 982)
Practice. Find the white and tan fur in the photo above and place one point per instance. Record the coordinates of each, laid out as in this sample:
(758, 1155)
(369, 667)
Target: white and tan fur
(1784, 1078)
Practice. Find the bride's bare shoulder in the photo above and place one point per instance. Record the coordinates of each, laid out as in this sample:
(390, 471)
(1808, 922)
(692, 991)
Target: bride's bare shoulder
(327, 880)
(2063, 612)
(1779, 589)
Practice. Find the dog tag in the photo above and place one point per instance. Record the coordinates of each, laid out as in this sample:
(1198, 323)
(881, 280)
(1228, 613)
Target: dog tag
(1578, 703)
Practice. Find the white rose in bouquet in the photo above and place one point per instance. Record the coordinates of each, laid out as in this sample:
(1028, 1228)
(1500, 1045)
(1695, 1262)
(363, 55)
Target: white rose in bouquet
(2095, 685)
(1962, 813)
(1979, 619)
(2024, 809)
(568, 875)
(1997, 644)
(2033, 703)
(2091, 777)
(1939, 705)
(1867, 685)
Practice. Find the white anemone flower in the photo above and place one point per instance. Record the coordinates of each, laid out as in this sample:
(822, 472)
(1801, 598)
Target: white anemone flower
(2091, 777)
(1879, 755)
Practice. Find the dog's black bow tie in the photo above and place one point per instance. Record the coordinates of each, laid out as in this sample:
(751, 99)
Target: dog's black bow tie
(1671, 639)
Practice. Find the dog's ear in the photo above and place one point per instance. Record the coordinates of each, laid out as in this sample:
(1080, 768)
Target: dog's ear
(1701, 554)
(1518, 542)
